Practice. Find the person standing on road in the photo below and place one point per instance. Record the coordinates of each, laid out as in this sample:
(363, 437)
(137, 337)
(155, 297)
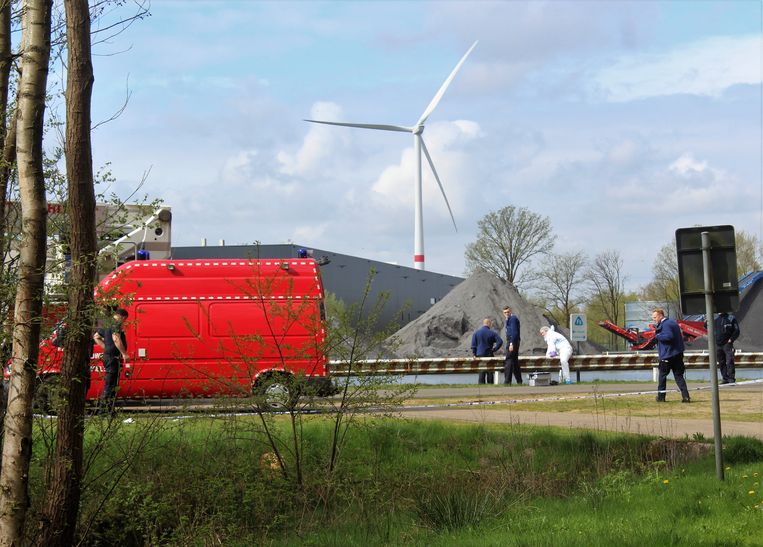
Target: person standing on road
(726, 332)
(558, 346)
(511, 365)
(670, 350)
(485, 342)
(114, 344)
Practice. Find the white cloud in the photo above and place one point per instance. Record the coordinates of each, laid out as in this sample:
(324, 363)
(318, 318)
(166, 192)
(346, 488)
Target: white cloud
(686, 166)
(320, 142)
(236, 168)
(496, 76)
(309, 233)
(467, 129)
(705, 67)
(447, 143)
(251, 171)
(268, 185)
(625, 152)
(686, 186)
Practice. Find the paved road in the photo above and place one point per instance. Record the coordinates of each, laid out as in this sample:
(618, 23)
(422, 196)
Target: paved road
(663, 425)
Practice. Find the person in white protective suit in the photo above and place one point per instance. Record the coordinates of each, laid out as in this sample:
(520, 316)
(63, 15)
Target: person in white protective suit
(558, 346)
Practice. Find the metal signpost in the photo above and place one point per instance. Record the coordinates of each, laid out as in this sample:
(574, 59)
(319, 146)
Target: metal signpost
(578, 332)
(713, 351)
(578, 327)
(714, 248)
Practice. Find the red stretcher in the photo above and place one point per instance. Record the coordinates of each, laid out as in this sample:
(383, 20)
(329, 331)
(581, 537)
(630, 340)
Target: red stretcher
(643, 340)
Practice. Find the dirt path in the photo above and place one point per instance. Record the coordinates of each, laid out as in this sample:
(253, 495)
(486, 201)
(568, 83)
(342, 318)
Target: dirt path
(662, 423)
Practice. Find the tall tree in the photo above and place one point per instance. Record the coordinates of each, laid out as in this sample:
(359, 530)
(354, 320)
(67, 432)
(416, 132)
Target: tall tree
(748, 249)
(6, 62)
(7, 165)
(560, 283)
(17, 443)
(664, 285)
(607, 285)
(62, 502)
(507, 239)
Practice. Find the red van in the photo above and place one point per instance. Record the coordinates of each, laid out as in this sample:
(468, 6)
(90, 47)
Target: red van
(212, 327)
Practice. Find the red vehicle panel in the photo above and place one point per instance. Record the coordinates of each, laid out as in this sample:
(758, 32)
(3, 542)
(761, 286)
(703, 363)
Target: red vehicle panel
(209, 327)
(644, 340)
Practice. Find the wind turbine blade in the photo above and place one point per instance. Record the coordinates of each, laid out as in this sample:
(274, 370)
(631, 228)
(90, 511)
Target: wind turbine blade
(435, 101)
(368, 126)
(437, 178)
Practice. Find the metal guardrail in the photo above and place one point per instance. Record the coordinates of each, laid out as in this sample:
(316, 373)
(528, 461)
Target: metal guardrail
(578, 363)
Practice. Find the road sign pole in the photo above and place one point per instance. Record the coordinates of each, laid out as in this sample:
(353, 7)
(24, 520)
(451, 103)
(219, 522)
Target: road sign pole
(712, 354)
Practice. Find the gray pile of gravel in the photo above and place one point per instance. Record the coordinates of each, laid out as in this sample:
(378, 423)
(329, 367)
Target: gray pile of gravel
(750, 318)
(446, 329)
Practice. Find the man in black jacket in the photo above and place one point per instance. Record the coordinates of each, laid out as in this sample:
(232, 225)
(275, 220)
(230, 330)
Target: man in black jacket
(485, 342)
(113, 342)
(511, 365)
(726, 331)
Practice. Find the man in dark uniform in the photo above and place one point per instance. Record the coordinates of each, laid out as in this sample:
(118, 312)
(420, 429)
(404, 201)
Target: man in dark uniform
(726, 331)
(114, 344)
(670, 351)
(511, 365)
(485, 342)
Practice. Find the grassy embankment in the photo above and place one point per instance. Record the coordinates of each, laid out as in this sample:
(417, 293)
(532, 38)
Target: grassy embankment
(204, 482)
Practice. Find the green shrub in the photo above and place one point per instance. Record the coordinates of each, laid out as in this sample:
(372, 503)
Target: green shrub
(742, 450)
(455, 506)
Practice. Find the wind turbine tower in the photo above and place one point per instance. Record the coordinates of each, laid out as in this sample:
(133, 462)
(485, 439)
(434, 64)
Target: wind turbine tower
(418, 144)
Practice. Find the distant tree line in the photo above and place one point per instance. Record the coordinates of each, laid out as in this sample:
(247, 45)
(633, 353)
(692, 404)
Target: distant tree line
(518, 246)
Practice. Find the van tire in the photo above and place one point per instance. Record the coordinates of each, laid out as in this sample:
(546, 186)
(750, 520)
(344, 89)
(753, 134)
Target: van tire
(47, 394)
(276, 391)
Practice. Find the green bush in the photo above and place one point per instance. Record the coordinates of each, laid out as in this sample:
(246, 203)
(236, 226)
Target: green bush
(742, 450)
(455, 505)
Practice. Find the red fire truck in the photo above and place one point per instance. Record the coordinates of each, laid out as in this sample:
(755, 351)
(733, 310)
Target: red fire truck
(213, 327)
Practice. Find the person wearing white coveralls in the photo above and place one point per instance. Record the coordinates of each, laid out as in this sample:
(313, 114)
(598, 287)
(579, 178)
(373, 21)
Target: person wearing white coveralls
(558, 346)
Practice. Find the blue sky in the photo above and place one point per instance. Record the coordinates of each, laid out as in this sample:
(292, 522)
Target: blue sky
(621, 121)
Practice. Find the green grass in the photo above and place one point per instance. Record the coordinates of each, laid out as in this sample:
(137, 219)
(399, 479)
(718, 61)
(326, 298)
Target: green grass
(203, 482)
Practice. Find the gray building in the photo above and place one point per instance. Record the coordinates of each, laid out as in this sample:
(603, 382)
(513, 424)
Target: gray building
(412, 292)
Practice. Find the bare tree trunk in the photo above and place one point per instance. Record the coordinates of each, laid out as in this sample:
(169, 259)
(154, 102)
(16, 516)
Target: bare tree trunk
(62, 503)
(7, 161)
(17, 444)
(6, 60)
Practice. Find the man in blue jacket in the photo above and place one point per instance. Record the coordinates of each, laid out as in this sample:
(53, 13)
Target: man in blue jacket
(511, 365)
(726, 331)
(485, 342)
(670, 350)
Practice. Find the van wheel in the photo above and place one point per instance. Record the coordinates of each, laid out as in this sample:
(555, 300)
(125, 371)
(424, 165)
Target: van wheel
(47, 394)
(276, 392)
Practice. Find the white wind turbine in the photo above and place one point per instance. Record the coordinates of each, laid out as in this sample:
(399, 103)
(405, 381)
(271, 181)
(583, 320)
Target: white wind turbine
(418, 145)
